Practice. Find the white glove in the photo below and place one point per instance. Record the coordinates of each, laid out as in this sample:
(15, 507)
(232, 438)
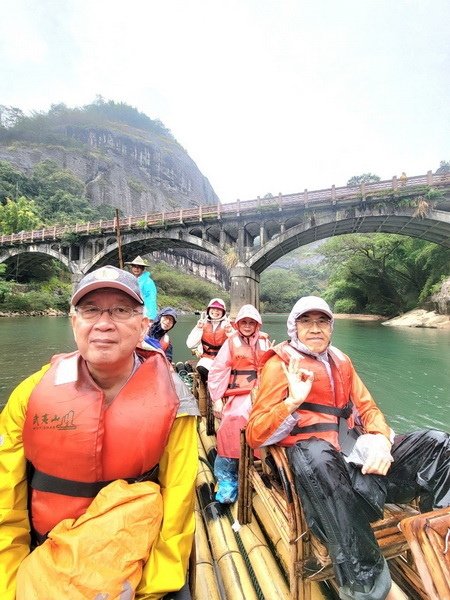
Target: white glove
(217, 408)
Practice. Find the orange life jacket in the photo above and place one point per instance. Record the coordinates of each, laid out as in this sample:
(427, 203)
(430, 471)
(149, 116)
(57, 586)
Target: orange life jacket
(320, 414)
(77, 444)
(246, 361)
(212, 340)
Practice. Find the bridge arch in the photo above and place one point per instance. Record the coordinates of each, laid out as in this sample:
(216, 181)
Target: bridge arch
(34, 255)
(146, 245)
(430, 228)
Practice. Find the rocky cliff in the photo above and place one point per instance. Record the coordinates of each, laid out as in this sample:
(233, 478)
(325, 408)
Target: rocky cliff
(133, 169)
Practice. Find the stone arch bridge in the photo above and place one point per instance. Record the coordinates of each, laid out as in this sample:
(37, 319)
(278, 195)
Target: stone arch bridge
(246, 236)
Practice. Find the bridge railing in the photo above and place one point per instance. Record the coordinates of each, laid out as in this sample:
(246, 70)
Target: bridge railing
(200, 213)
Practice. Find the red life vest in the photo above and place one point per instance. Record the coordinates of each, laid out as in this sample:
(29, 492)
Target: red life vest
(212, 340)
(319, 415)
(77, 443)
(246, 361)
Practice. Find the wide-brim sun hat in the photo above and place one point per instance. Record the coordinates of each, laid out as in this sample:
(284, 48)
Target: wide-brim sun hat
(108, 277)
(138, 262)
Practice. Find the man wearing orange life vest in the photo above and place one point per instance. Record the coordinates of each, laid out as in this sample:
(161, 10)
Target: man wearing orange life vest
(233, 375)
(309, 400)
(207, 337)
(89, 418)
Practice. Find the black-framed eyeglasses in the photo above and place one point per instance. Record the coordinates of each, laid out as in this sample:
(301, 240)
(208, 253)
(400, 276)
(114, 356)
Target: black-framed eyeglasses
(91, 312)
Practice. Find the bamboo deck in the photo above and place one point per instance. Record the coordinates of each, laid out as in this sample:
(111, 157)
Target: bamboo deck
(246, 562)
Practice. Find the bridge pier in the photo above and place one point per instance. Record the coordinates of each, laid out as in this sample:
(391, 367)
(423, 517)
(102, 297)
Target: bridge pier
(244, 288)
(75, 279)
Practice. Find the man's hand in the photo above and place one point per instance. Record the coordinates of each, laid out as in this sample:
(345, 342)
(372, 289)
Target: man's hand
(300, 382)
(379, 456)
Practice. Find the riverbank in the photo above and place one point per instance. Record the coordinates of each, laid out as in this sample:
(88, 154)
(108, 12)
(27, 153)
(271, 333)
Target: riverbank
(413, 318)
(50, 312)
(420, 318)
(359, 317)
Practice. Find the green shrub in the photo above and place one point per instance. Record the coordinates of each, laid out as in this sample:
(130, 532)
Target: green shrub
(345, 305)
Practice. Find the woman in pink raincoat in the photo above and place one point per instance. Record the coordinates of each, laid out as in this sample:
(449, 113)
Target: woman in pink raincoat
(232, 376)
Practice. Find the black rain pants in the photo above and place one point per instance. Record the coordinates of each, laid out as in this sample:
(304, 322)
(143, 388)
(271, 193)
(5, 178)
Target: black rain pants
(338, 515)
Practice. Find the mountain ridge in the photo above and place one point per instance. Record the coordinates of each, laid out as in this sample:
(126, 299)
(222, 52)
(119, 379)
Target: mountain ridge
(137, 169)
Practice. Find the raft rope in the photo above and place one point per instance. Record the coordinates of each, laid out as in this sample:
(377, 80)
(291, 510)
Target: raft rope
(245, 556)
(239, 542)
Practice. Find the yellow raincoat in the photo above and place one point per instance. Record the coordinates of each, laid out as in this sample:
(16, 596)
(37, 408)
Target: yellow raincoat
(166, 567)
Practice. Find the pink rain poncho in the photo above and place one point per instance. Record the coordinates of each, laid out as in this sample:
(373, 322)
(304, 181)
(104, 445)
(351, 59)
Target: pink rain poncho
(242, 355)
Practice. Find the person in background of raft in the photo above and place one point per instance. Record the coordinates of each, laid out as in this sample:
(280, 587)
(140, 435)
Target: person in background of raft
(159, 331)
(309, 400)
(232, 376)
(207, 337)
(133, 426)
(146, 285)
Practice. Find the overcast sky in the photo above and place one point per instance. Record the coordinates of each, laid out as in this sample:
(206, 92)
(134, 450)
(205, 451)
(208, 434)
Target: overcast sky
(266, 96)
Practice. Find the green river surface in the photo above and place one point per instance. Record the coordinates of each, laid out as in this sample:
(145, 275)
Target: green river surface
(407, 370)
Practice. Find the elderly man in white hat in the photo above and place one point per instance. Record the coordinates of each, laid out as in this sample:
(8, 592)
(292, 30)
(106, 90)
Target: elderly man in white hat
(146, 285)
(310, 400)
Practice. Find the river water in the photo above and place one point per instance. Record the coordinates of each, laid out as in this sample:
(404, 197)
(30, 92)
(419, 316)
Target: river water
(406, 370)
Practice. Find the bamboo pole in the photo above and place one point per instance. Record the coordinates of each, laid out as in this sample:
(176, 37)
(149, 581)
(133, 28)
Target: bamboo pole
(264, 565)
(245, 486)
(208, 442)
(272, 532)
(206, 587)
(199, 392)
(224, 549)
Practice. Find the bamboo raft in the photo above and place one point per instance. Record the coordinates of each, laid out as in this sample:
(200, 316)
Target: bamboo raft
(261, 547)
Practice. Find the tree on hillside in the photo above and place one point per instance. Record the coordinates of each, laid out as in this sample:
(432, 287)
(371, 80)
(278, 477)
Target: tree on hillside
(123, 112)
(364, 178)
(51, 127)
(444, 167)
(49, 179)
(280, 289)
(380, 273)
(18, 215)
(13, 183)
(9, 115)
(60, 195)
(435, 261)
(57, 193)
